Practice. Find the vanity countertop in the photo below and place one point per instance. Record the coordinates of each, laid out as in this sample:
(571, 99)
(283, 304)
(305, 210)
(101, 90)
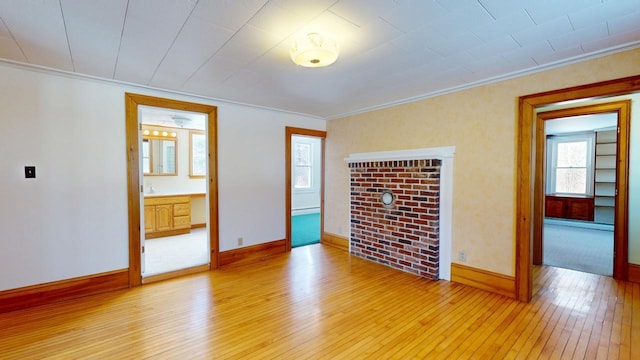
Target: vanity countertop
(174, 194)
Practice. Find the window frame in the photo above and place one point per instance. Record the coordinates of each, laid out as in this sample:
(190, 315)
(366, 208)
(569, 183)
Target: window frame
(309, 168)
(194, 137)
(552, 158)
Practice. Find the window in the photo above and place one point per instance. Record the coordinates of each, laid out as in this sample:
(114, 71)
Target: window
(198, 154)
(570, 164)
(146, 156)
(302, 166)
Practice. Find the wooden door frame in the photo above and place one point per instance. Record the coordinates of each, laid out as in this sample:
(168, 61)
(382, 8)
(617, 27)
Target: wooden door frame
(289, 132)
(133, 174)
(621, 243)
(528, 214)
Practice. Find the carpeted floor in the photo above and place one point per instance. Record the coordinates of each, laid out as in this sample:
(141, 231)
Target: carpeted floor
(580, 249)
(176, 252)
(305, 229)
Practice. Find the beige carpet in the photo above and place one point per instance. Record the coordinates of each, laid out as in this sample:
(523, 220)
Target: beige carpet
(172, 253)
(586, 250)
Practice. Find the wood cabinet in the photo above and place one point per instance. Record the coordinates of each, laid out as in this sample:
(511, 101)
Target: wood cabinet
(167, 215)
(575, 208)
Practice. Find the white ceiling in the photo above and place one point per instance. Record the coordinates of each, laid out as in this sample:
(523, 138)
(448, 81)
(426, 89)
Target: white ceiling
(580, 123)
(390, 50)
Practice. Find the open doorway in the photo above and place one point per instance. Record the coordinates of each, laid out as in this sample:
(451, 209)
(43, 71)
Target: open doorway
(306, 152)
(174, 168)
(305, 189)
(172, 182)
(530, 199)
(579, 182)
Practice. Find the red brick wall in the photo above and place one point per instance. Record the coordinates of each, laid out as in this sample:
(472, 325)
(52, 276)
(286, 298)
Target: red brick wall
(404, 235)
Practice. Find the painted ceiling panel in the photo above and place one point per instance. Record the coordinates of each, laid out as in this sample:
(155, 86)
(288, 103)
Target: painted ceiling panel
(545, 10)
(390, 50)
(197, 42)
(149, 31)
(39, 29)
(9, 49)
(94, 30)
(601, 12)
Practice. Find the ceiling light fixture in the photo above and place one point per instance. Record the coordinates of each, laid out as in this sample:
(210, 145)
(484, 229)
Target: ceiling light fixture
(314, 50)
(180, 120)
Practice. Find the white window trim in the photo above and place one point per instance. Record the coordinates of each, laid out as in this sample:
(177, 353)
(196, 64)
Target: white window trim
(312, 186)
(552, 149)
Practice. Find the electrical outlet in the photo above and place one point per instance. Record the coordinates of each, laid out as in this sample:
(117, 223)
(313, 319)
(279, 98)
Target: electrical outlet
(462, 256)
(340, 230)
(240, 241)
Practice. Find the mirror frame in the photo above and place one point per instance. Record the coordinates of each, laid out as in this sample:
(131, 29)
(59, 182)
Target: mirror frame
(169, 137)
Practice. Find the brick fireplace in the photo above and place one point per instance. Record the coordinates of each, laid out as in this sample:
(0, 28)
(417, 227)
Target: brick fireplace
(396, 209)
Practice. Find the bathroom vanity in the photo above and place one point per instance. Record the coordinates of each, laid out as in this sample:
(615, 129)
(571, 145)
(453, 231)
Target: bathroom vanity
(166, 215)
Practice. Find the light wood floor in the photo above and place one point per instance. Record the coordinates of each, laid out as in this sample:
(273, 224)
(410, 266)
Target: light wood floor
(318, 302)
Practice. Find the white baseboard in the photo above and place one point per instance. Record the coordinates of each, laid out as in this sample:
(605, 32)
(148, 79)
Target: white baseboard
(306, 211)
(580, 224)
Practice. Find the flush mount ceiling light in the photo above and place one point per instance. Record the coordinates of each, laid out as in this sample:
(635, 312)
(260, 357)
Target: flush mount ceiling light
(314, 50)
(180, 120)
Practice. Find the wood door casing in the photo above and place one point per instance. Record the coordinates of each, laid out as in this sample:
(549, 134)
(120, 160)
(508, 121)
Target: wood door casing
(132, 101)
(528, 207)
(289, 132)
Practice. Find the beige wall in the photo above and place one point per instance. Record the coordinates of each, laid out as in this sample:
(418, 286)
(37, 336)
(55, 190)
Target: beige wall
(481, 124)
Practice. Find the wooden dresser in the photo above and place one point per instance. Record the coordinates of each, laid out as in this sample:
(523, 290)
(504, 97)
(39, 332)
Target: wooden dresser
(167, 215)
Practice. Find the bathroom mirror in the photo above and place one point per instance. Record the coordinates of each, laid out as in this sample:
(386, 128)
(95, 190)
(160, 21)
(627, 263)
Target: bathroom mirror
(159, 156)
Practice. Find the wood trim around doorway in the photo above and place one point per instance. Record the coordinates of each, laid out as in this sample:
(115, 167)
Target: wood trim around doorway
(290, 131)
(623, 113)
(133, 174)
(527, 138)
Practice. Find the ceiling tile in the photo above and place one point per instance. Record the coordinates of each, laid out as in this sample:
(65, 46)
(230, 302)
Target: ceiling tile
(8, 47)
(412, 14)
(363, 12)
(600, 12)
(558, 55)
(93, 30)
(574, 38)
(451, 45)
(495, 46)
(463, 13)
(501, 9)
(228, 14)
(376, 33)
(278, 21)
(526, 53)
(516, 21)
(197, 42)
(542, 11)
(38, 28)
(544, 31)
(149, 30)
(612, 42)
(623, 24)
(304, 8)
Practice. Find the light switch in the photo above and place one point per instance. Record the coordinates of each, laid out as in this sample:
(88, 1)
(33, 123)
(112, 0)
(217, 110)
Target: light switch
(29, 172)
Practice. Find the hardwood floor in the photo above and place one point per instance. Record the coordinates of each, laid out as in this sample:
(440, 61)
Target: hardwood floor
(318, 302)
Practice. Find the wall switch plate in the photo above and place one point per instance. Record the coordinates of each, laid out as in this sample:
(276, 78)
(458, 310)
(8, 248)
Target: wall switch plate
(29, 172)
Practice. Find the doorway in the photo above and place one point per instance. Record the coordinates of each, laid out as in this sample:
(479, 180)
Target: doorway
(529, 204)
(304, 163)
(173, 195)
(173, 210)
(579, 178)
